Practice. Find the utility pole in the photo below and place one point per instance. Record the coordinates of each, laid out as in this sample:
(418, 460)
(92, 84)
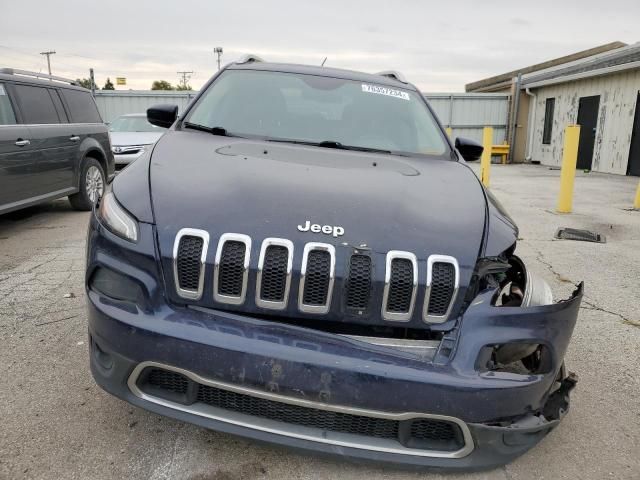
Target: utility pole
(48, 54)
(185, 78)
(93, 82)
(218, 51)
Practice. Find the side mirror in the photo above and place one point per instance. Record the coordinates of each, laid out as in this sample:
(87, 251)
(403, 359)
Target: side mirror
(469, 149)
(162, 115)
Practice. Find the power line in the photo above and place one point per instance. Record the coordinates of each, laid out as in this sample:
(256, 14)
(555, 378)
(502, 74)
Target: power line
(186, 76)
(48, 54)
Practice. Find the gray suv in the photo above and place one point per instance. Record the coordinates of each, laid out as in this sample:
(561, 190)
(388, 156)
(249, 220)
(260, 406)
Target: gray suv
(53, 142)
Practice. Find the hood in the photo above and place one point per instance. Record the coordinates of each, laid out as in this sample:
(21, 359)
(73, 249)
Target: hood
(380, 202)
(123, 139)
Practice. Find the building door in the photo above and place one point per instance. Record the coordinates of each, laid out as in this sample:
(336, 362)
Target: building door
(633, 167)
(588, 120)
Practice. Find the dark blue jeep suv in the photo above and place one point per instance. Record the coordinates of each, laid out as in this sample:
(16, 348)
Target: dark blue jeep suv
(305, 258)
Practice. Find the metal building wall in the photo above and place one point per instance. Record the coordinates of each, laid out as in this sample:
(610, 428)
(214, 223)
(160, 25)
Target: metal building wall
(618, 94)
(113, 103)
(468, 113)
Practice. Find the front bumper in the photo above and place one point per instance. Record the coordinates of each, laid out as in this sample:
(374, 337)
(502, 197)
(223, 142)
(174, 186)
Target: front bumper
(500, 414)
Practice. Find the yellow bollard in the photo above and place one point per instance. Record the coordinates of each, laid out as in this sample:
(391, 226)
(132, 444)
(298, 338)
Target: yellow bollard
(485, 160)
(568, 168)
(636, 204)
(449, 131)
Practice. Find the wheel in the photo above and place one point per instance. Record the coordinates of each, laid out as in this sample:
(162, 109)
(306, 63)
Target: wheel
(92, 183)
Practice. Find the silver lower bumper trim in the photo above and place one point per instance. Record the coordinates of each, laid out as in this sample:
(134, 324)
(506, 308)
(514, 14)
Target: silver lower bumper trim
(296, 431)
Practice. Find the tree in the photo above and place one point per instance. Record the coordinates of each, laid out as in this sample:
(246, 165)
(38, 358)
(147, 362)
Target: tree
(161, 85)
(84, 82)
(184, 87)
(108, 85)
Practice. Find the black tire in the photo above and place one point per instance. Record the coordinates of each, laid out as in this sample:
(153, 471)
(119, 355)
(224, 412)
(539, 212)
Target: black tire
(83, 199)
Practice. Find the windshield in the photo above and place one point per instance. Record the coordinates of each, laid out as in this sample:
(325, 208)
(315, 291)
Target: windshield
(133, 124)
(310, 108)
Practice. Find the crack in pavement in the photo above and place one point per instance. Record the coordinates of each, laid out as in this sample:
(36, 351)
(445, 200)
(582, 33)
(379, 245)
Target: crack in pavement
(594, 306)
(598, 308)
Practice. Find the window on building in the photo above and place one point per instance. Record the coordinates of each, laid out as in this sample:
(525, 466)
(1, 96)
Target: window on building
(36, 105)
(7, 117)
(548, 120)
(81, 106)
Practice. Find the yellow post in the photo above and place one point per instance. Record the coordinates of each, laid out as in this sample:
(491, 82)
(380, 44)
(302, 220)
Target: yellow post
(568, 168)
(449, 131)
(485, 160)
(636, 204)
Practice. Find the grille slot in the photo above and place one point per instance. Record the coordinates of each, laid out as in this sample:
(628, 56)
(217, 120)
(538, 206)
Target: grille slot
(421, 433)
(401, 279)
(167, 380)
(445, 436)
(358, 287)
(274, 273)
(189, 254)
(231, 268)
(442, 285)
(316, 281)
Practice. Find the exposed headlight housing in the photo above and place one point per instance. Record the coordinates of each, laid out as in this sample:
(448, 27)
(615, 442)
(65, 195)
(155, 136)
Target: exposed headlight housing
(117, 219)
(537, 292)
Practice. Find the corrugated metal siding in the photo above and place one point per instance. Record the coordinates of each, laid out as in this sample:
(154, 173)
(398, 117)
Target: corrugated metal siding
(468, 113)
(114, 103)
(618, 95)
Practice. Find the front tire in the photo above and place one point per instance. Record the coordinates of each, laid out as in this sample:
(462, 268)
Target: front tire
(92, 184)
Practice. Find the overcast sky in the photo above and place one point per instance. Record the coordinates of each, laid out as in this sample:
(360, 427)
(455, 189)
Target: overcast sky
(439, 46)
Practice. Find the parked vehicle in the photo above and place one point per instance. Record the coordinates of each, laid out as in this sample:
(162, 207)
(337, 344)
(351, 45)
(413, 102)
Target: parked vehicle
(131, 135)
(305, 258)
(53, 142)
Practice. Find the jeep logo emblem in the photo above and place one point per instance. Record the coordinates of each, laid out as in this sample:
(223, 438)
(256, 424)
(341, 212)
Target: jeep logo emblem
(326, 229)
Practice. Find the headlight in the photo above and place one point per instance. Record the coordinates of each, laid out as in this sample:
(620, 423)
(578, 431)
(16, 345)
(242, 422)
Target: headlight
(116, 219)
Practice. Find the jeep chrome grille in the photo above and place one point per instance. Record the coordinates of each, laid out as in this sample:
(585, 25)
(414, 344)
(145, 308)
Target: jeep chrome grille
(231, 268)
(442, 286)
(274, 273)
(401, 281)
(189, 255)
(317, 275)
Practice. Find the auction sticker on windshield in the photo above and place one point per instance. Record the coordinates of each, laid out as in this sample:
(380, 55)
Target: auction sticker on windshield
(390, 92)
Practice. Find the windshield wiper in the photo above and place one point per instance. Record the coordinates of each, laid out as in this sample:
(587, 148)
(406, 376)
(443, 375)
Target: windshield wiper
(221, 131)
(330, 144)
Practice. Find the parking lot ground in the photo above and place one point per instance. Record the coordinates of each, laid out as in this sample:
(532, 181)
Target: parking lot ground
(56, 423)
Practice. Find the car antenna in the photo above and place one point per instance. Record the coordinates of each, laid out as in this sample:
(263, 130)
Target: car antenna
(322, 64)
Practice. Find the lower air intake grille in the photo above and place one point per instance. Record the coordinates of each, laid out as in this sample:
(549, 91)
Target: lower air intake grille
(442, 288)
(188, 262)
(294, 414)
(274, 273)
(358, 289)
(231, 268)
(317, 278)
(400, 286)
(167, 380)
(419, 433)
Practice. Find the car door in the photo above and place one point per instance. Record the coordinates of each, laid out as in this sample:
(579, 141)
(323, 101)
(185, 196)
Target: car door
(84, 116)
(51, 139)
(16, 155)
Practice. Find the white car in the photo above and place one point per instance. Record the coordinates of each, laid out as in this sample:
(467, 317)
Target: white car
(130, 135)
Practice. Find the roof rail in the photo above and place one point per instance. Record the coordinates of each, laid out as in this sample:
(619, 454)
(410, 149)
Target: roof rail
(393, 74)
(26, 73)
(249, 59)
